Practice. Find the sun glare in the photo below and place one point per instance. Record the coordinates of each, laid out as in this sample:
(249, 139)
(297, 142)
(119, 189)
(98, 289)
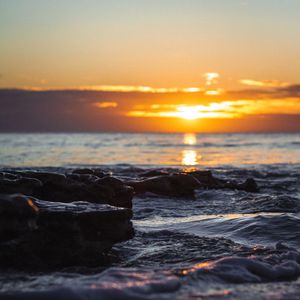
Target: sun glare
(188, 112)
(213, 110)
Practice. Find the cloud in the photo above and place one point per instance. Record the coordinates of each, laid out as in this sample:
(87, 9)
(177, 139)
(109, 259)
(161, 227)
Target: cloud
(89, 110)
(116, 88)
(223, 109)
(105, 104)
(281, 92)
(292, 91)
(264, 83)
(211, 78)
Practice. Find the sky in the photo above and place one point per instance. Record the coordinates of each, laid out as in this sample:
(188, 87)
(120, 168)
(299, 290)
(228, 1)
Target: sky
(159, 65)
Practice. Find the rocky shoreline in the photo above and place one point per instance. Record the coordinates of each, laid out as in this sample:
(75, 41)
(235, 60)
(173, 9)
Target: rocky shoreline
(54, 220)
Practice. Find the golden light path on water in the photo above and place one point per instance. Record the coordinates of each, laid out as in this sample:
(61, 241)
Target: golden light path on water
(189, 139)
(189, 156)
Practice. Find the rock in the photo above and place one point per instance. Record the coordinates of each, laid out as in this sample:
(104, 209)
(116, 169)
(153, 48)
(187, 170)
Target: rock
(177, 185)
(83, 171)
(66, 234)
(18, 214)
(120, 194)
(6, 175)
(85, 178)
(205, 178)
(44, 177)
(111, 182)
(208, 181)
(28, 186)
(249, 185)
(93, 220)
(154, 173)
(96, 172)
(83, 184)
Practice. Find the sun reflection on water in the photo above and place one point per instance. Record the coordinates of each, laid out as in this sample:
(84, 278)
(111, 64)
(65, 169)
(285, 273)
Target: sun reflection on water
(189, 139)
(190, 157)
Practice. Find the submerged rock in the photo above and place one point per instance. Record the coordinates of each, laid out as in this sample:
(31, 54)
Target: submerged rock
(65, 234)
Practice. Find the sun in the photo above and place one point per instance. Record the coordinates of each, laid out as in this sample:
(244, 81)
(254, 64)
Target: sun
(188, 112)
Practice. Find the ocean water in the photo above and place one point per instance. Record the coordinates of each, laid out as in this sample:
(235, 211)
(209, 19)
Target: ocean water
(148, 149)
(220, 244)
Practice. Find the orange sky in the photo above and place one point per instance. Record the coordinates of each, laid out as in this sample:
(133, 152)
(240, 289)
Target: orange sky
(139, 65)
(273, 109)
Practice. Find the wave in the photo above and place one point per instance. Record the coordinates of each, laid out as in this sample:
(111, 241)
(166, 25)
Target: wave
(261, 265)
(264, 228)
(281, 264)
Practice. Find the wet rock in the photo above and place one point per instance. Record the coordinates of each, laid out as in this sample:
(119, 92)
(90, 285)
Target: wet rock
(205, 178)
(154, 173)
(44, 177)
(116, 191)
(249, 186)
(66, 234)
(96, 172)
(84, 184)
(93, 220)
(28, 186)
(83, 171)
(208, 181)
(18, 215)
(177, 185)
(85, 178)
(7, 175)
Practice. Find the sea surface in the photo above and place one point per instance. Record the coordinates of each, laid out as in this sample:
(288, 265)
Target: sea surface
(148, 149)
(220, 244)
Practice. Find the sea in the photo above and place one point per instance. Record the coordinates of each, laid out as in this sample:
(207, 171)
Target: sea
(220, 244)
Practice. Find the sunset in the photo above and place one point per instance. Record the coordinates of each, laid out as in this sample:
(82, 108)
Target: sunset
(149, 149)
(221, 61)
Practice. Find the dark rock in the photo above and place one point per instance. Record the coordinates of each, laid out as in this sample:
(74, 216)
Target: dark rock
(249, 185)
(205, 178)
(7, 175)
(154, 173)
(85, 178)
(27, 186)
(69, 188)
(96, 172)
(67, 234)
(208, 181)
(45, 176)
(178, 185)
(18, 215)
(93, 220)
(110, 181)
(83, 171)
(115, 190)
